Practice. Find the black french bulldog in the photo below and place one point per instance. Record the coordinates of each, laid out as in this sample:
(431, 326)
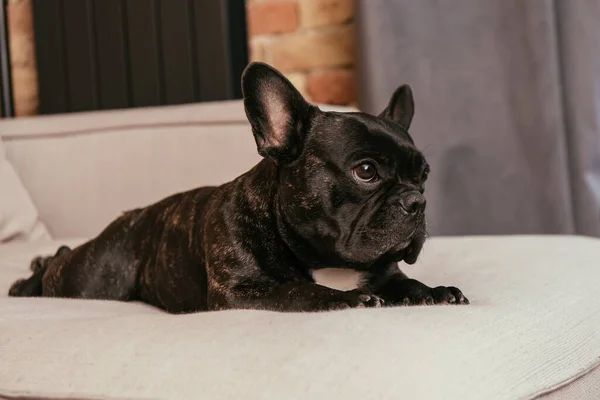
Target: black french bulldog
(333, 190)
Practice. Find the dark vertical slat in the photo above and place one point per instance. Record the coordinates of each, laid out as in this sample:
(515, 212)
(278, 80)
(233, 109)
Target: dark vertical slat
(238, 43)
(144, 53)
(211, 50)
(159, 49)
(50, 53)
(126, 50)
(191, 15)
(81, 55)
(6, 96)
(177, 52)
(110, 50)
(121, 53)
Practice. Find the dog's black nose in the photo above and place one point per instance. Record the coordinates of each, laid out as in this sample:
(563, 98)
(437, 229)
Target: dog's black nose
(413, 202)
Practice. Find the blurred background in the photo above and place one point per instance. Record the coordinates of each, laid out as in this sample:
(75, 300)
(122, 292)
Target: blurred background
(507, 91)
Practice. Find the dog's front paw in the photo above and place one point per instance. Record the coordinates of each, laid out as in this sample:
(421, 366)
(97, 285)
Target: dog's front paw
(410, 292)
(448, 295)
(354, 299)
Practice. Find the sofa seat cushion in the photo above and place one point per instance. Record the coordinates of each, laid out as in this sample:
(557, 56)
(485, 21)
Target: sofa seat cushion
(533, 327)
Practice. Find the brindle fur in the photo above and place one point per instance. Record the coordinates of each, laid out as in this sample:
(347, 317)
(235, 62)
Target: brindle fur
(253, 242)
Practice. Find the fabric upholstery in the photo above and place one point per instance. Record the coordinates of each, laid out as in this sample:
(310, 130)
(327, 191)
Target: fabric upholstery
(84, 169)
(584, 387)
(532, 326)
(18, 215)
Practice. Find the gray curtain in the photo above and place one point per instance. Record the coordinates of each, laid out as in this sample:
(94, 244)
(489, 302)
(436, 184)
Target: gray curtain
(507, 99)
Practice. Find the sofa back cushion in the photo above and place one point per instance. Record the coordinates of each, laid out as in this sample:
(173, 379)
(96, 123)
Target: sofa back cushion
(18, 215)
(85, 169)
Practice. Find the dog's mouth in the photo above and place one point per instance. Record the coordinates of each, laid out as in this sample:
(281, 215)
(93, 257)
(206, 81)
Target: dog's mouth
(409, 249)
(406, 251)
(399, 252)
(401, 248)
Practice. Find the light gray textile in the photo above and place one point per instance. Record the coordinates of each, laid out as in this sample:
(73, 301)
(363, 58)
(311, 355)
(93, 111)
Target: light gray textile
(585, 387)
(533, 325)
(84, 169)
(19, 218)
(507, 107)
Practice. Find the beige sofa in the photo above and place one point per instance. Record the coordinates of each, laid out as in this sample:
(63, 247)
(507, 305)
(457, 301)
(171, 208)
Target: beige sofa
(532, 329)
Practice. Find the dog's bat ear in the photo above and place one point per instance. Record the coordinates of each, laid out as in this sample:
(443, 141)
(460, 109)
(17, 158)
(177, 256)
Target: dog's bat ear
(401, 107)
(276, 111)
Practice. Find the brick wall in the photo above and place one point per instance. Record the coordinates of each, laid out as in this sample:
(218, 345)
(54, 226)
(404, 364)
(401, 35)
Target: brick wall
(310, 41)
(24, 76)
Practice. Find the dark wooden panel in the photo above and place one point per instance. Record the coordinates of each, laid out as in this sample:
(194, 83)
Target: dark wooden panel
(81, 55)
(177, 51)
(113, 66)
(6, 96)
(210, 20)
(144, 52)
(238, 43)
(50, 55)
(100, 54)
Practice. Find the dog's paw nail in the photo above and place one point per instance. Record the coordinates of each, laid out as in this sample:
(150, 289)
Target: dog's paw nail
(62, 250)
(429, 301)
(377, 301)
(364, 297)
(406, 301)
(339, 306)
(457, 295)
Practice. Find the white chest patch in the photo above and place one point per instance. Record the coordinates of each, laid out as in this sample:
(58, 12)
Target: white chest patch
(338, 278)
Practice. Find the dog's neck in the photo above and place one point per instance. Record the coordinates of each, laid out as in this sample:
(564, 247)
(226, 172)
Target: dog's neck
(335, 277)
(261, 185)
(300, 247)
(310, 256)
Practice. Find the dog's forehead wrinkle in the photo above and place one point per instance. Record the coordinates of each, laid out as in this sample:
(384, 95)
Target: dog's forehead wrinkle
(372, 136)
(370, 127)
(409, 163)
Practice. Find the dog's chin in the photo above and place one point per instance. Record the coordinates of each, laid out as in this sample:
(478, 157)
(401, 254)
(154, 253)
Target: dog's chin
(407, 251)
(399, 251)
(373, 247)
(408, 248)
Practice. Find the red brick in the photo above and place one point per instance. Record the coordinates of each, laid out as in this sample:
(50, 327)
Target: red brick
(332, 87)
(302, 52)
(299, 81)
(25, 91)
(20, 19)
(24, 76)
(317, 13)
(256, 50)
(272, 17)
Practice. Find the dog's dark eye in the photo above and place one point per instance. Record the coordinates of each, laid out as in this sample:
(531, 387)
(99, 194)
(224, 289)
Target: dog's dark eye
(366, 172)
